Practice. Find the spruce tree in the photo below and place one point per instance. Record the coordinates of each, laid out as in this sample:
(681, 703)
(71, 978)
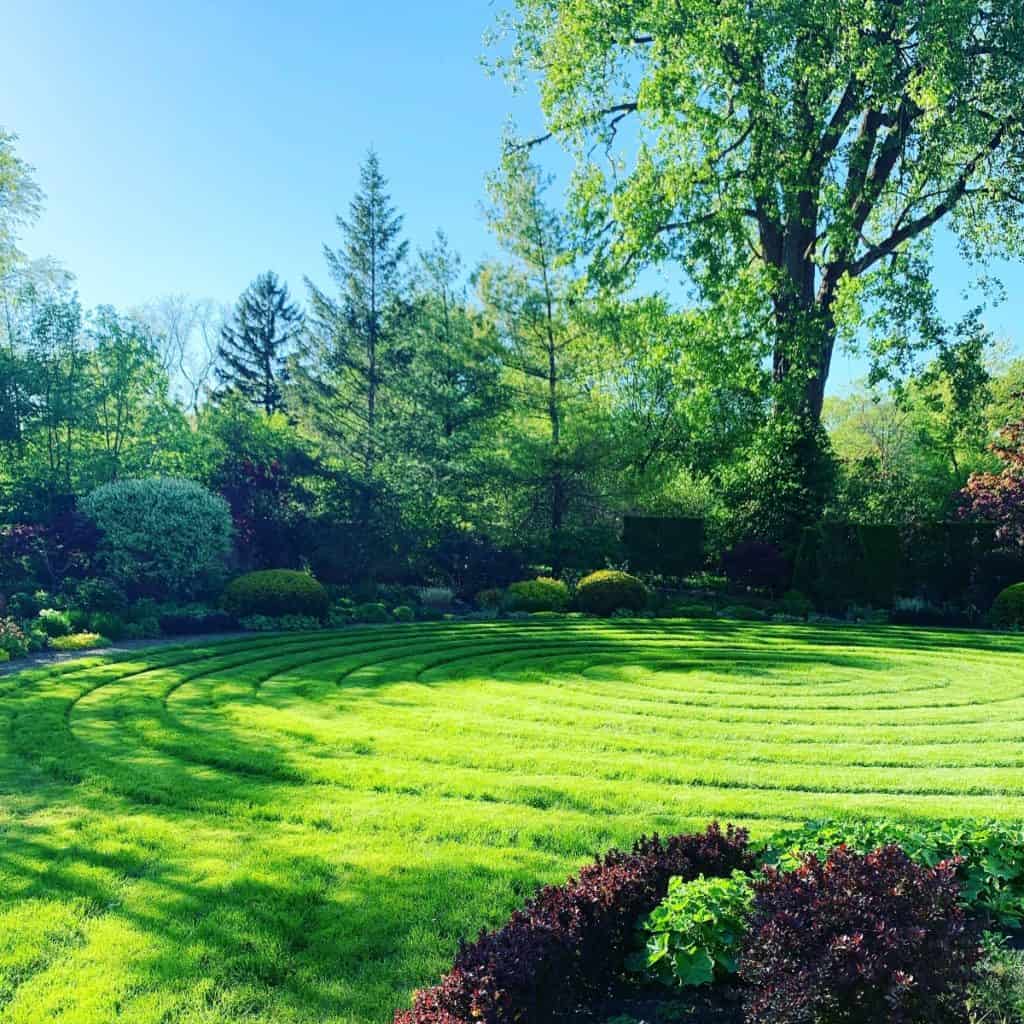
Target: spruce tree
(357, 343)
(256, 342)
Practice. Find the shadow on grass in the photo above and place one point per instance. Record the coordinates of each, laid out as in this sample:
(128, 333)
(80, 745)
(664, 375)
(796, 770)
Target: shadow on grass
(299, 936)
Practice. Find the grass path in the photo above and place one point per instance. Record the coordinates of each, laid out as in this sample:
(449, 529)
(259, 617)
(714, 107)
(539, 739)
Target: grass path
(299, 828)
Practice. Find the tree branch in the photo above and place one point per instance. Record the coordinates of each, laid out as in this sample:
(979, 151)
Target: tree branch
(953, 195)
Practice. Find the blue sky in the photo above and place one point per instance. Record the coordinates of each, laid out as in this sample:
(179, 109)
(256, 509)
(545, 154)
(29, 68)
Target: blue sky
(187, 147)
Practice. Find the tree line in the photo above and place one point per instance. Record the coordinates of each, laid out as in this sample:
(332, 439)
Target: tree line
(790, 165)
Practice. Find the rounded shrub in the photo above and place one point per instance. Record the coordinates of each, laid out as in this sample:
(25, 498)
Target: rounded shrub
(403, 613)
(161, 536)
(543, 594)
(371, 612)
(275, 592)
(1008, 607)
(608, 591)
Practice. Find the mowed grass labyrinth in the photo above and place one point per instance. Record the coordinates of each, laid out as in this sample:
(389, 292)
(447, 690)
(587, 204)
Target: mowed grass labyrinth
(299, 828)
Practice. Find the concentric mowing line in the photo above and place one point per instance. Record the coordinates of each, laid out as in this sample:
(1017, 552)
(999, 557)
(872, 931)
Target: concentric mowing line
(515, 747)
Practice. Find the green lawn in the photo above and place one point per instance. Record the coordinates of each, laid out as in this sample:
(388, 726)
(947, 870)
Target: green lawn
(299, 828)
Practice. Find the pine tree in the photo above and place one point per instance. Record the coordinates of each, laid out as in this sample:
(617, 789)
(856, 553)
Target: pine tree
(357, 343)
(256, 343)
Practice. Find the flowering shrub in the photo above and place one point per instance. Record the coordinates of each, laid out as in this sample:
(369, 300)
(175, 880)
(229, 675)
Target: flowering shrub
(54, 622)
(607, 591)
(565, 948)
(161, 536)
(543, 594)
(694, 935)
(276, 592)
(13, 640)
(857, 939)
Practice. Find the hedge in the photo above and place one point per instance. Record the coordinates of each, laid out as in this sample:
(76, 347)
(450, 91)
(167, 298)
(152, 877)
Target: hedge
(671, 546)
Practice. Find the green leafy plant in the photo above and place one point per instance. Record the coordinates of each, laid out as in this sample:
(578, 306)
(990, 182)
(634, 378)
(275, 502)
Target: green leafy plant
(107, 624)
(693, 937)
(997, 995)
(276, 592)
(403, 613)
(540, 595)
(607, 591)
(54, 622)
(991, 869)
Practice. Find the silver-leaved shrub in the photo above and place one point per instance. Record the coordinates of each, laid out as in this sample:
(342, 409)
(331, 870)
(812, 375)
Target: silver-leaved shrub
(161, 536)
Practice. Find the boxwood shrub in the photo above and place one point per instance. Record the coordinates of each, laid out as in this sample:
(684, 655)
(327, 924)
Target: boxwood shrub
(608, 590)
(543, 594)
(1008, 607)
(275, 592)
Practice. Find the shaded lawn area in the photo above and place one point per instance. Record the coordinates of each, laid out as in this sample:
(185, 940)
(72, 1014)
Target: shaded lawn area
(299, 828)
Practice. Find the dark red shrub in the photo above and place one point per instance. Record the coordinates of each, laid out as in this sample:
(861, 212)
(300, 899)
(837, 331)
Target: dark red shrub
(857, 939)
(566, 947)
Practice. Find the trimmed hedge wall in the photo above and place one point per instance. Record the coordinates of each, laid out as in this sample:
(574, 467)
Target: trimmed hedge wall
(671, 546)
(839, 563)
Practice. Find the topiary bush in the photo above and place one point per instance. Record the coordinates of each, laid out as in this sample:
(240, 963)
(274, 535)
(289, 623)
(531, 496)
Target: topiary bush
(275, 592)
(857, 939)
(607, 591)
(543, 594)
(1008, 607)
(564, 948)
(161, 536)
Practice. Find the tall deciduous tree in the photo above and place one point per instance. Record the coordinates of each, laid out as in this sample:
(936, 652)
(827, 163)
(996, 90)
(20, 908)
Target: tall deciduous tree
(20, 197)
(256, 343)
(356, 344)
(791, 155)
